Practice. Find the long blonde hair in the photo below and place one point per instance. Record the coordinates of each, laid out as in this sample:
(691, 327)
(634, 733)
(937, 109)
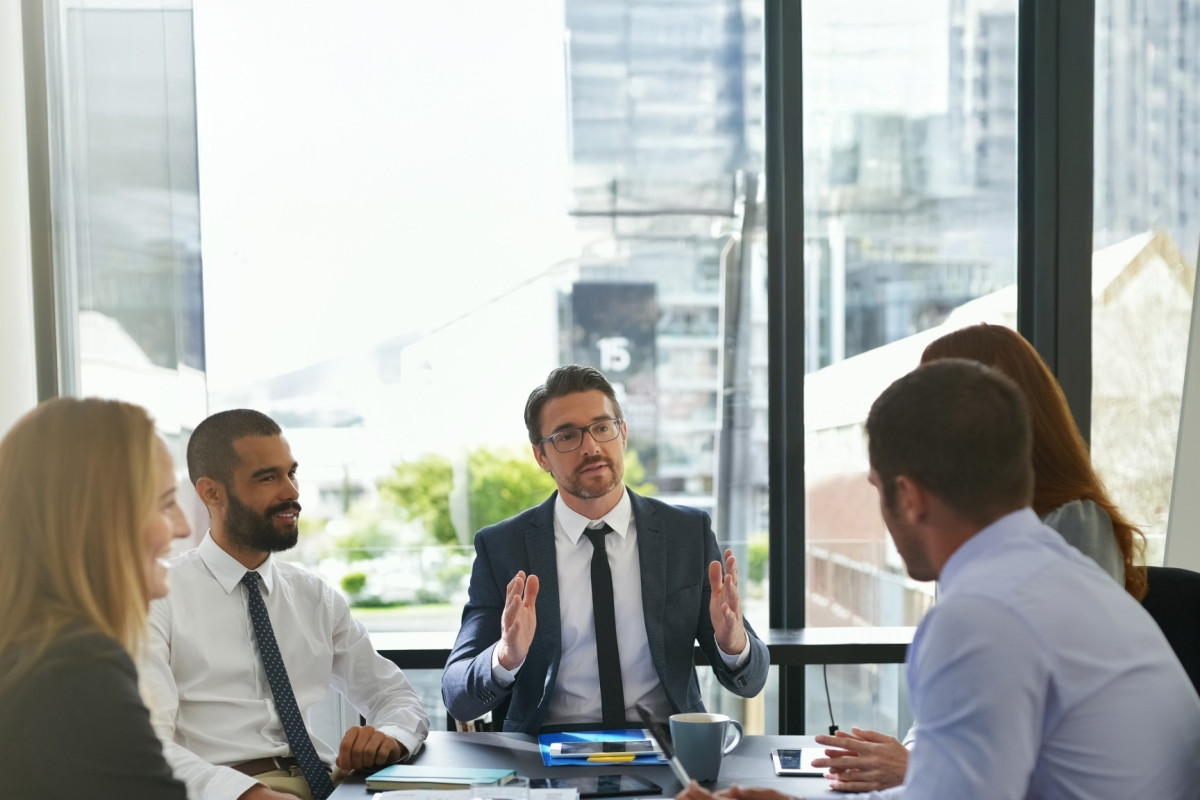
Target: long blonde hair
(77, 487)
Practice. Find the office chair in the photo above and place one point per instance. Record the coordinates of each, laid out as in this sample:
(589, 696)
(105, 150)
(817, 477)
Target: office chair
(493, 721)
(1174, 601)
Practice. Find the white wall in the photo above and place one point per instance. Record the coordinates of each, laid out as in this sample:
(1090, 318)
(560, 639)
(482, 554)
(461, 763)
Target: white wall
(1183, 527)
(18, 378)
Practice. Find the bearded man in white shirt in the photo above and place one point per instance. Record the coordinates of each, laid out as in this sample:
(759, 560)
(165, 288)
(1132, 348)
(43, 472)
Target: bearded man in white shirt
(231, 728)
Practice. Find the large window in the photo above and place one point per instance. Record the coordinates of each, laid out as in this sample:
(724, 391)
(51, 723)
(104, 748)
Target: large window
(408, 226)
(413, 211)
(1147, 235)
(910, 229)
(125, 201)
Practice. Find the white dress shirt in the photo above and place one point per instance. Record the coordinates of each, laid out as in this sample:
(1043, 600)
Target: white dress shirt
(576, 694)
(204, 681)
(1037, 676)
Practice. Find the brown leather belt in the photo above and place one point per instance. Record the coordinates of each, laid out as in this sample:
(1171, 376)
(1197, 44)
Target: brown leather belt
(257, 766)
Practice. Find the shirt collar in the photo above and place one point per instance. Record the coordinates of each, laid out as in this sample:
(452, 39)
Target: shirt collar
(994, 536)
(573, 523)
(228, 570)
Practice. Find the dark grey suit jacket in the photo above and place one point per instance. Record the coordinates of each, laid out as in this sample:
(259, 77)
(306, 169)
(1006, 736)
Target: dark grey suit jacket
(675, 547)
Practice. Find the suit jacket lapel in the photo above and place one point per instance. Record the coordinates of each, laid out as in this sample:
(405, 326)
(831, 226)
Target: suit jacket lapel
(539, 544)
(652, 558)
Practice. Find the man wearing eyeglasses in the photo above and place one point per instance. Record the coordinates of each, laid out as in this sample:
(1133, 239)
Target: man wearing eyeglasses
(592, 602)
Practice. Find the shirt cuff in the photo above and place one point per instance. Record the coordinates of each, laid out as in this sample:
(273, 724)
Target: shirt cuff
(502, 676)
(412, 743)
(733, 662)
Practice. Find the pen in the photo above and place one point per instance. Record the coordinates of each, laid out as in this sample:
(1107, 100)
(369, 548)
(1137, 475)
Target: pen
(680, 773)
(607, 757)
(660, 734)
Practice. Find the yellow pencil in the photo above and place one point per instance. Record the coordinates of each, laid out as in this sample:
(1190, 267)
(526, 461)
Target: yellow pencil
(607, 757)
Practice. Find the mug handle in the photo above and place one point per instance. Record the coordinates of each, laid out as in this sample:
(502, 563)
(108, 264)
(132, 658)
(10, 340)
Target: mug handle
(734, 725)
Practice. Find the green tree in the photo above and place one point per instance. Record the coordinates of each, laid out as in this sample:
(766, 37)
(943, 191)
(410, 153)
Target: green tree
(506, 483)
(353, 583)
(421, 489)
(501, 483)
(757, 553)
(635, 475)
(364, 542)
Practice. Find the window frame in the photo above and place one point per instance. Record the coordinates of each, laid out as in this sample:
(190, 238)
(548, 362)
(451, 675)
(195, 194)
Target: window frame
(1055, 108)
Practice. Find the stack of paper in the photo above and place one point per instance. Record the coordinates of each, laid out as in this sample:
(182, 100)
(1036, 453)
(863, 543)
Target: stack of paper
(465, 794)
(407, 776)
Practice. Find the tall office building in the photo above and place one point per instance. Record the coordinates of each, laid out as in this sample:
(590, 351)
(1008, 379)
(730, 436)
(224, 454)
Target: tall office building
(665, 114)
(910, 169)
(1148, 121)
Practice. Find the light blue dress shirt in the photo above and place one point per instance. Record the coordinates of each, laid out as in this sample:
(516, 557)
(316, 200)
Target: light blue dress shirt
(1036, 676)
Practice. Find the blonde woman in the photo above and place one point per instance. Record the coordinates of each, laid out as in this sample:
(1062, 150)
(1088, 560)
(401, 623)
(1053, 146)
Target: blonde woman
(87, 510)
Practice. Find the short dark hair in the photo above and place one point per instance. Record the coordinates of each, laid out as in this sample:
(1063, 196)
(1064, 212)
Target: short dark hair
(561, 382)
(210, 452)
(959, 429)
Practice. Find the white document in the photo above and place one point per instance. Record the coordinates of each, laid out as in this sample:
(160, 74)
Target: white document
(465, 794)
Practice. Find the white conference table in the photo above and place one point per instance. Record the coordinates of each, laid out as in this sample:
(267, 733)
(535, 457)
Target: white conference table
(748, 765)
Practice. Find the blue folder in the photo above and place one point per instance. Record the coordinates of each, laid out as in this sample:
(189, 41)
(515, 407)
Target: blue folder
(617, 735)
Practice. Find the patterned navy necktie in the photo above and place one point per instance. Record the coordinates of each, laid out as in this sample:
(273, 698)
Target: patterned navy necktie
(305, 754)
(604, 615)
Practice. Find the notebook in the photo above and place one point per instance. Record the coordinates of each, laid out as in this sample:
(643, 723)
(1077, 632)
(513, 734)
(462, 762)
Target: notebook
(407, 776)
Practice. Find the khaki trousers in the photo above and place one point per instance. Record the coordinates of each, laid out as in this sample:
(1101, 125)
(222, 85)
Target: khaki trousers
(291, 781)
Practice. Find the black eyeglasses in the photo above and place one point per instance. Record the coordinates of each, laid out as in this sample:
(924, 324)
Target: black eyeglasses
(604, 430)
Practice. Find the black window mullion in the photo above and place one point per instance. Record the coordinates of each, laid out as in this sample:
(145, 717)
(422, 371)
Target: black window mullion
(785, 292)
(1055, 119)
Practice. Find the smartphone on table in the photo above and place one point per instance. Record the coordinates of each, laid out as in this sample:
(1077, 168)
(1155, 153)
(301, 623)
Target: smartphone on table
(634, 746)
(797, 761)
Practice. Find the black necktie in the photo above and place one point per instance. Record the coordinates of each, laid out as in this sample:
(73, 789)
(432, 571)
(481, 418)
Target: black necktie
(608, 657)
(285, 701)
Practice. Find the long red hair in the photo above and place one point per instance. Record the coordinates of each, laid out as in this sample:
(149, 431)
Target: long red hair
(1061, 465)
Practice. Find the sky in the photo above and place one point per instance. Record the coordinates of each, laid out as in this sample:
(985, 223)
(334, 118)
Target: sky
(379, 167)
(369, 174)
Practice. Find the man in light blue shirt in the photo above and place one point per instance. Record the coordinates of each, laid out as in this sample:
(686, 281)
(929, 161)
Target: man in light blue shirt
(1035, 675)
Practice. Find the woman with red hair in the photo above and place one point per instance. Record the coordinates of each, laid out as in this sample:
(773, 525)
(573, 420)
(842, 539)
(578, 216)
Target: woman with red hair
(1067, 495)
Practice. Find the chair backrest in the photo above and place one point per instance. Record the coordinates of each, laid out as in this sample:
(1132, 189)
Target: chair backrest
(1174, 601)
(491, 721)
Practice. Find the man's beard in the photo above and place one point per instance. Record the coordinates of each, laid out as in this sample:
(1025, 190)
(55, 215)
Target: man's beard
(577, 487)
(254, 531)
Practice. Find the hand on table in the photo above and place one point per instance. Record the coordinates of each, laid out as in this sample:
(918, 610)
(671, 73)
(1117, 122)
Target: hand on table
(519, 621)
(863, 760)
(694, 791)
(364, 748)
(725, 605)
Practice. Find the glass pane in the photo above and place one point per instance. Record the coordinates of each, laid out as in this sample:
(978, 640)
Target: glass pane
(1147, 235)
(910, 228)
(126, 209)
(873, 696)
(409, 226)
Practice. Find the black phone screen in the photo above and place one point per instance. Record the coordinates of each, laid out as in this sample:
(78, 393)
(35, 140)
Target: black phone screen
(600, 785)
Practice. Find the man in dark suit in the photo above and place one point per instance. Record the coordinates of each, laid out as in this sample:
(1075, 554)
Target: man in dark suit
(549, 584)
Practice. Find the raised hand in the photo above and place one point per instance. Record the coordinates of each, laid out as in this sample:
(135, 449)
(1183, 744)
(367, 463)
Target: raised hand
(519, 621)
(725, 605)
